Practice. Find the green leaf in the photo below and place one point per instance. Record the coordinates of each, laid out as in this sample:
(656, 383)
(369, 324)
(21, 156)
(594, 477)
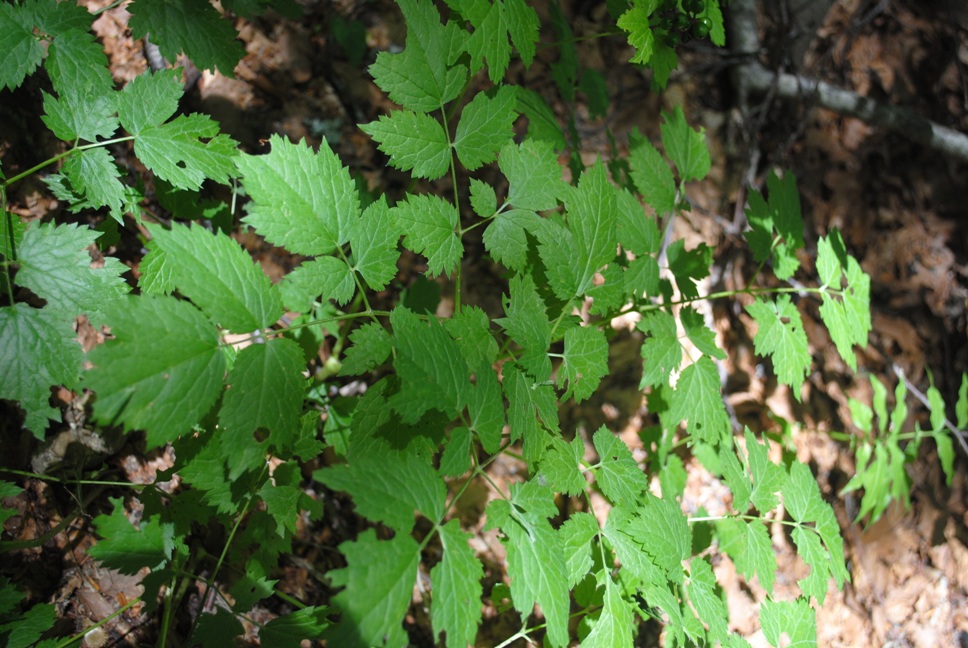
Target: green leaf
(846, 297)
(80, 113)
(486, 408)
(490, 37)
(483, 199)
(652, 177)
(585, 361)
(291, 630)
(961, 407)
(378, 581)
(302, 200)
(543, 126)
(94, 175)
(56, 266)
(156, 273)
(664, 533)
(420, 78)
(710, 608)
(143, 381)
(638, 566)
(776, 227)
(27, 630)
(127, 549)
(456, 579)
(76, 60)
(748, 544)
(636, 21)
(430, 223)
(685, 146)
(700, 334)
(661, 350)
(149, 100)
(326, 276)
(188, 150)
(195, 28)
(802, 498)
(619, 476)
(536, 565)
(780, 334)
(471, 329)
(264, 392)
(20, 52)
(534, 175)
(794, 619)
(389, 491)
(767, 477)
(560, 465)
(38, 349)
(697, 399)
(415, 142)
(374, 239)
(531, 408)
(432, 372)
(217, 627)
(591, 212)
(219, 277)
(506, 239)
(613, 628)
(527, 323)
(371, 348)
(577, 534)
(456, 458)
(689, 266)
(485, 126)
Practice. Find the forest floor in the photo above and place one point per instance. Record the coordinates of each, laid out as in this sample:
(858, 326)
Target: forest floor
(902, 209)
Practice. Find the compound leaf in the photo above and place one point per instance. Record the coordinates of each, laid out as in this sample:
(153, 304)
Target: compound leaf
(414, 141)
(195, 28)
(143, 381)
(619, 476)
(492, 25)
(485, 126)
(636, 21)
(79, 113)
(710, 608)
(378, 583)
(219, 277)
(302, 200)
(577, 534)
(456, 580)
(429, 223)
(780, 334)
(846, 297)
(38, 349)
(781, 215)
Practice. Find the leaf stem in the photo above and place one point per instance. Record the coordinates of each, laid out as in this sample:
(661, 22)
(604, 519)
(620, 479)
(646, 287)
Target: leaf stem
(61, 156)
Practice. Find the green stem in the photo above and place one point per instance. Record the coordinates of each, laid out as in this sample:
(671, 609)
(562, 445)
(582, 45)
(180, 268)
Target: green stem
(11, 241)
(61, 156)
(68, 641)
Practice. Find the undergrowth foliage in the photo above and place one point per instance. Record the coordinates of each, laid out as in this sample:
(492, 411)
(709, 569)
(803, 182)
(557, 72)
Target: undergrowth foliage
(445, 393)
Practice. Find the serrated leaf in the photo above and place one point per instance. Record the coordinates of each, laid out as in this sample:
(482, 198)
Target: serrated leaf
(700, 334)
(533, 174)
(489, 41)
(252, 587)
(748, 544)
(768, 478)
(456, 458)
(195, 28)
(371, 347)
(429, 223)
(637, 565)
(378, 581)
(420, 77)
(127, 549)
(802, 498)
(961, 407)
(38, 349)
(432, 372)
(584, 363)
(143, 381)
(326, 277)
(846, 297)
(636, 21)
(795, 620)
(577, 533)
(486, 408)
(560, 465)
(685, 146)
(55, 264)
(471, 329)
(302, 200)
(80, 113)
(219, 277)
(483, 199)
(156, 273)
(689, 266)
(780, 215)
(780, 334)
(717, 34)
(619, 476)
(389, 491)
(531, 408)
(76, 60)
(217, 627)
(697, 399)
(661, 350)
(148, 100)
(613, 628)
(710, 608)
(505, 237)
(652, 177)
(20, 52)
(664, 533)
(527, 323)
(25, 631)
(456, 580)
(415, 142)
(543, 126)
(187, 151)
(264, 392)
(591, 210)
(373, 238)
(484, 127)
(290, 630)
(94, 175)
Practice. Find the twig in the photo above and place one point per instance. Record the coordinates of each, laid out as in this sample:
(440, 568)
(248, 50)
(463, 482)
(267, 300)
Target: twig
(955, 432)
(752, 76)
